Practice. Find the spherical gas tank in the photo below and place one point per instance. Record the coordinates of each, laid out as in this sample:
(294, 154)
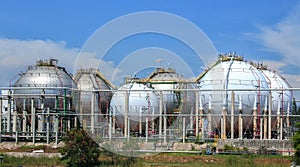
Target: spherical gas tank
(279, 97)
(47, 75)
(168, 81)
(93, 87)
(90, 81)
(232, 74)
(142, 104)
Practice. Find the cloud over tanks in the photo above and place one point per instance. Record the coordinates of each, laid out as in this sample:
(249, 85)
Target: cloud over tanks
(16, 55)
(283, 38)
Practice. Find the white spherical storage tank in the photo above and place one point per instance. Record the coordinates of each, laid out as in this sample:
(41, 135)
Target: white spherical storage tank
(232, 74)
(168, 80)
(142, 103)
(281, 96)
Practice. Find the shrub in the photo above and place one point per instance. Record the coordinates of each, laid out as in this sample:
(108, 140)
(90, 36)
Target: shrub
(80, 149)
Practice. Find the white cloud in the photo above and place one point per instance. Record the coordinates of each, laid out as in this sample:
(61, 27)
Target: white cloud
(283, 39)
(16, 55)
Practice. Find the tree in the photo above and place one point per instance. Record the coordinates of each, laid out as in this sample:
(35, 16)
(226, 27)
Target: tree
(80, 149)
(296, 144)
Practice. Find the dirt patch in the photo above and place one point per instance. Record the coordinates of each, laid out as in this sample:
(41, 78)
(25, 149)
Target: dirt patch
(181, 159)
(266, 161)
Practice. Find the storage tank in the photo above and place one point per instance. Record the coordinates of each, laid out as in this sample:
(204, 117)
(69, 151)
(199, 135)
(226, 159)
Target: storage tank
(48, 75)
(229, 73)
(167, 80)
(142, 103)
(92, 82)
(279, 97)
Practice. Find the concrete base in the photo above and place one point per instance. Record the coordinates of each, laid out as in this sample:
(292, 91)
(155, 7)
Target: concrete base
(284, 147)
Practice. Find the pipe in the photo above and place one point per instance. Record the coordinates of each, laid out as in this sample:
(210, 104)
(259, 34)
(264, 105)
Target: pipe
(1, 105)
(33, 126)
(197, 114)
(240, 117)
(9, 112)
(224, 116)
(48, 126)
(269, 117)
(288, 115)
(126, 114)
(183, 130)
(161, 103)
(278, 120)
(14, 129)
(232, 115)
(265, 118)
(93, 113)
(209, 114)
(147, 129)
(254, 118)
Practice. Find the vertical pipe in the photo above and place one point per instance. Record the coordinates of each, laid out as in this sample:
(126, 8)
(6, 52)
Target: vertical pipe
(161, 103)
(65, 108)
(201, 118)
(281, 128)
(41, 125)
(114, 123)
(147, 129)
(93, 113)
(110, 126)
(32, 115)
(126, 114)
(254, 118)
(202, 126)
(14, 129)
(81, 114)
(209, 114)
(152, 121)
(165, 129)
(232, 115)
(261, 129)
(269, 116)
(240, 117)
(197, 112)
(140, 122)
(40, 120)
(48, 126)
(1, 105)
(9, 112)
(75, 120)
(128, 133)
(17, 137)
(288, 115)
(222, 126)
(24, 120)
(265, 118)
(224, 116)
(183, 130)
(191, 118)
(33, 126)
(56, 129)
(278, 121)
(240, 125)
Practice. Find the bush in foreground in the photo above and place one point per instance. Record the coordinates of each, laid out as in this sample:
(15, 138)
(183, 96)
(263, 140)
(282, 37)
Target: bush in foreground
(80, 149)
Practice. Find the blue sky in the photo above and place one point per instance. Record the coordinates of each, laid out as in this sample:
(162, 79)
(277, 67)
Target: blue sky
(266, 31)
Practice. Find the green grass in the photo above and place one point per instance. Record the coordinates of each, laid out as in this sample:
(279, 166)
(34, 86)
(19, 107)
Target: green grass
(31, 161)
(247, 160)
